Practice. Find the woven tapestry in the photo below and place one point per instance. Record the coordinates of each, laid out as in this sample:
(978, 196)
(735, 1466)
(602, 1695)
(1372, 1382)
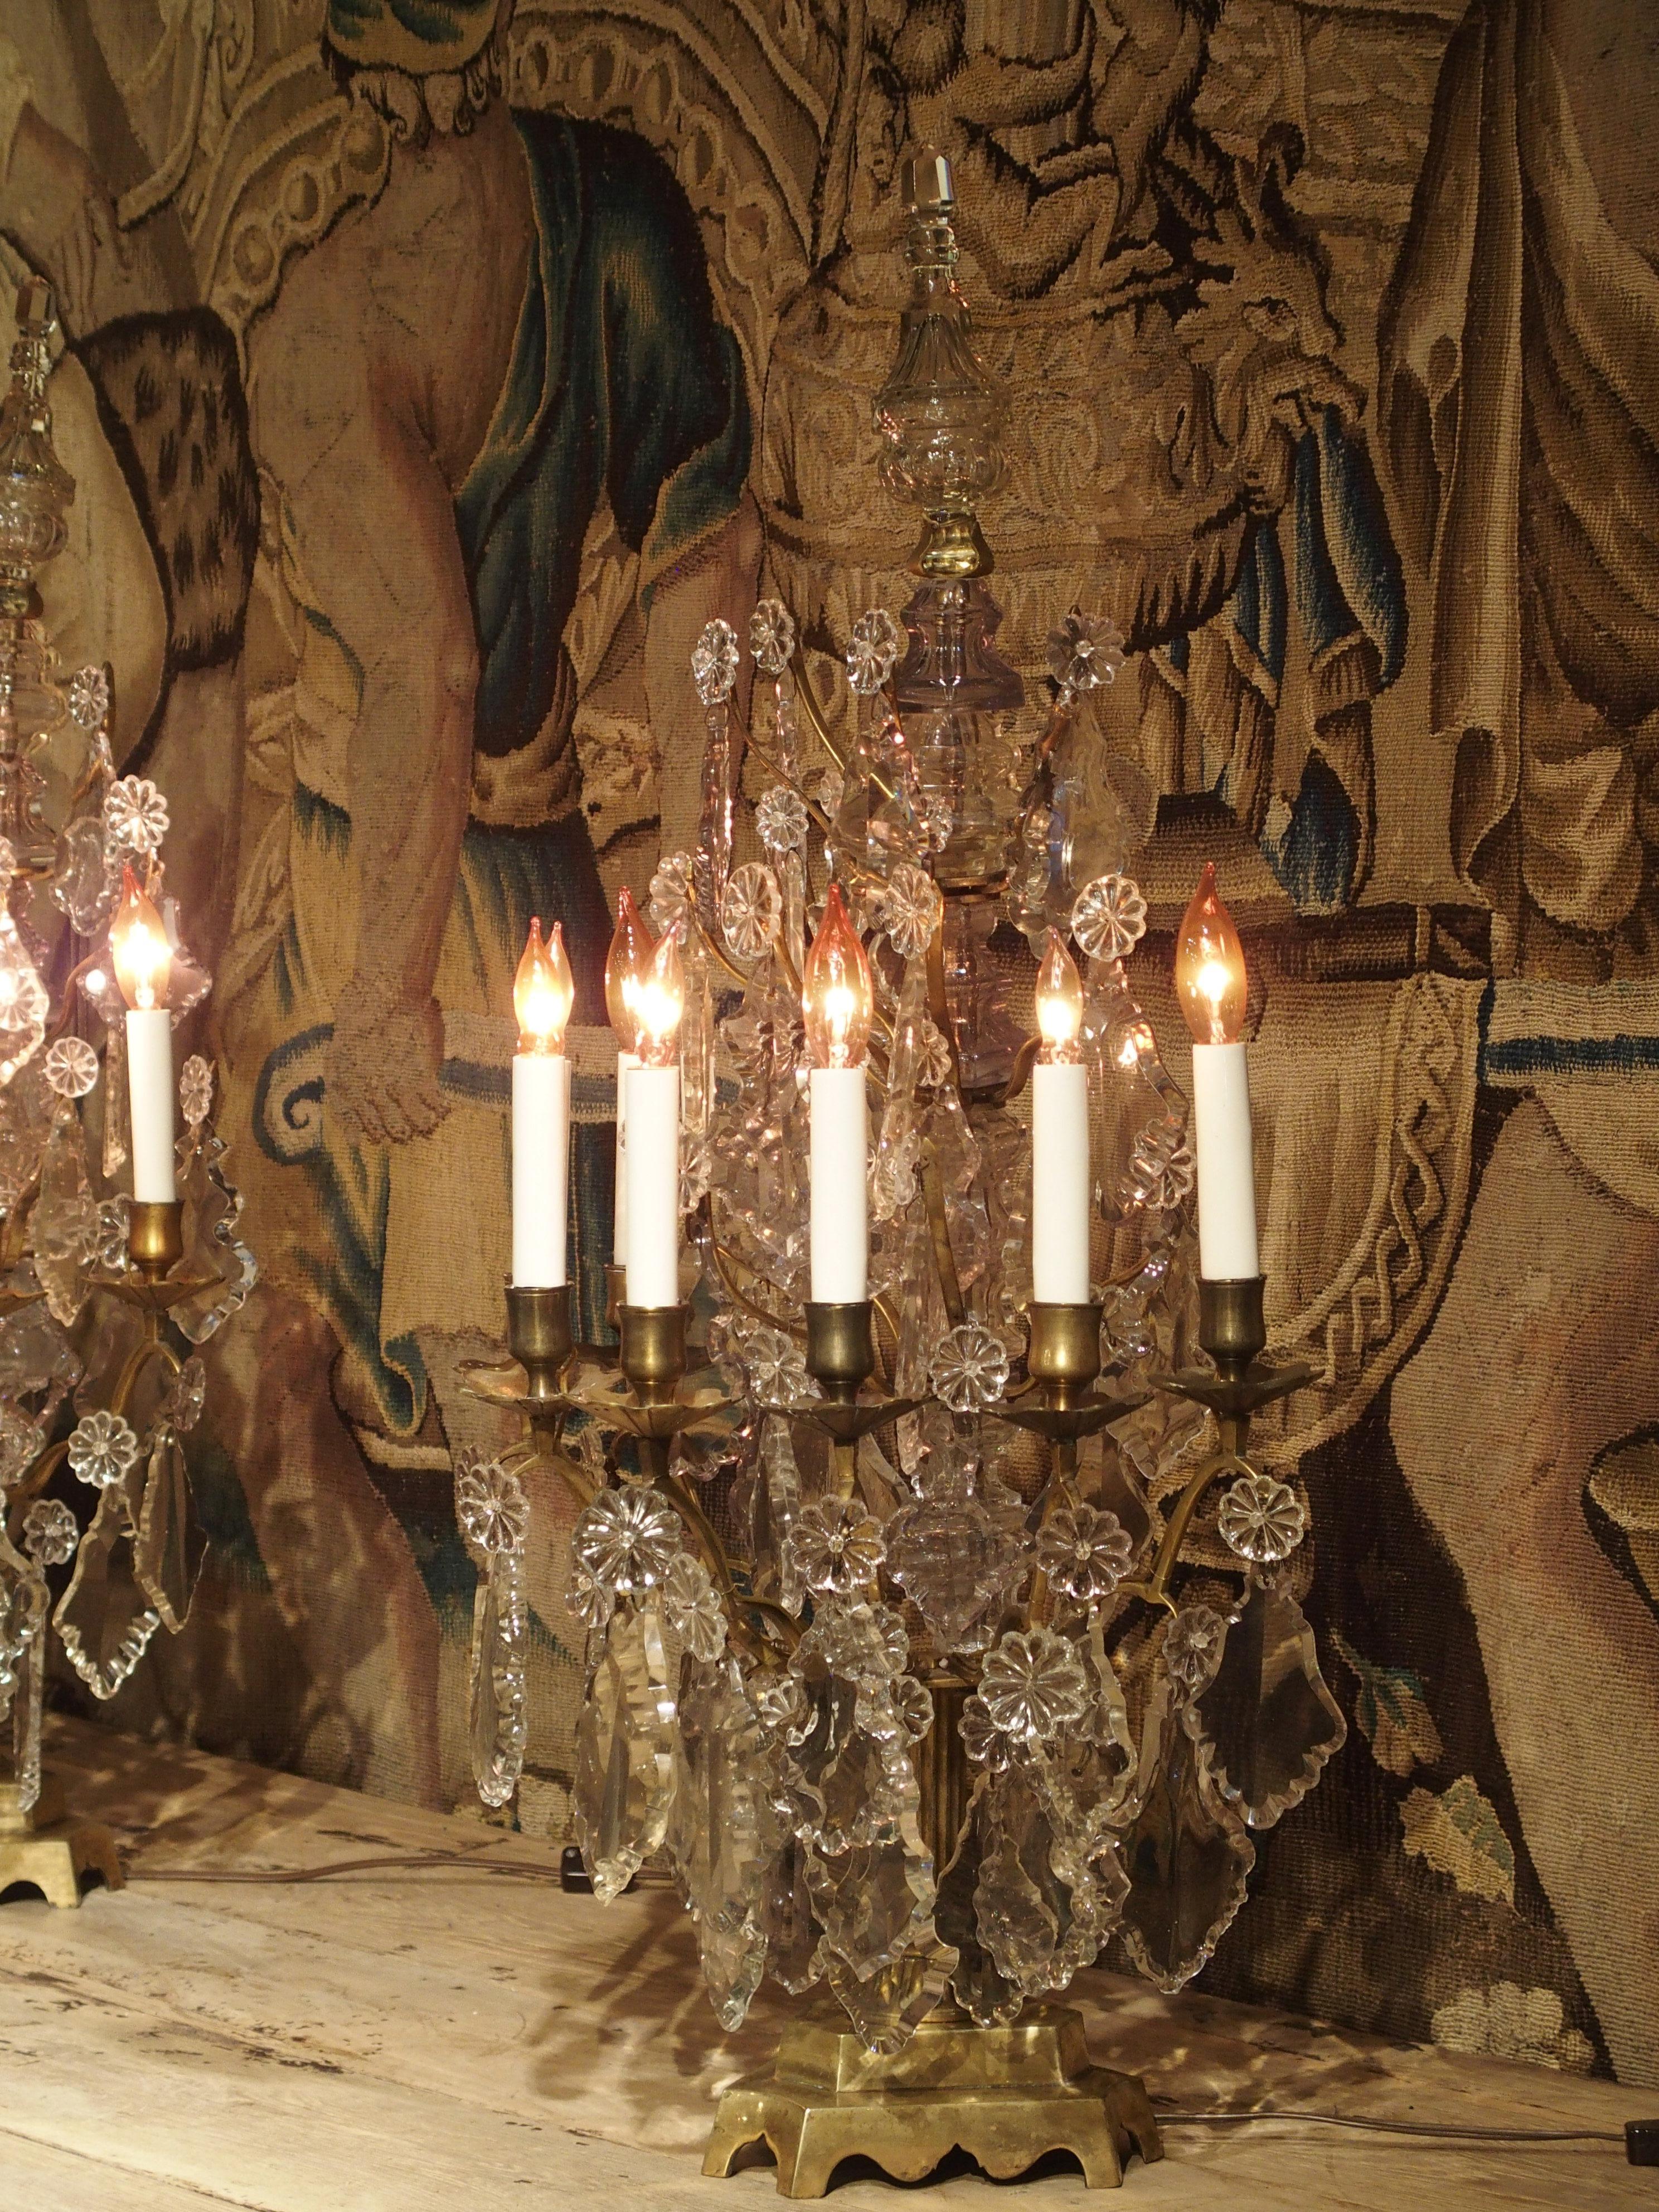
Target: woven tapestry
(434, 373)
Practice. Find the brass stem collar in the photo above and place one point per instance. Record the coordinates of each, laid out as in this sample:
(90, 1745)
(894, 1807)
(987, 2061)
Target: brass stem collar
(1230, 1325)
(652, 1351)
(953, 547)
(155, 1238)
(841, 1350)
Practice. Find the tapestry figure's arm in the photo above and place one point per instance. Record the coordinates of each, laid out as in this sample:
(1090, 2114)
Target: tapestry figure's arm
(370, 513)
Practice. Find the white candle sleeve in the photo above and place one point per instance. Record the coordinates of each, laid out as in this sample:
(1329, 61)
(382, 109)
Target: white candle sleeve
(1060, 1184)
(840, 1215)
(541, 1168)
(625, 1061)
(149, 1090)
(1227, 1251)
(653, 1186)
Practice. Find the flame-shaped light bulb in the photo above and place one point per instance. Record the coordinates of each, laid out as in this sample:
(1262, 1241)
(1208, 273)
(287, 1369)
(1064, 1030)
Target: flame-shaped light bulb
(837, 1001)
(659, 1003)
(1209, 969)
(544, 990)
(142, 956)
(627, 965)
(1059, 1001)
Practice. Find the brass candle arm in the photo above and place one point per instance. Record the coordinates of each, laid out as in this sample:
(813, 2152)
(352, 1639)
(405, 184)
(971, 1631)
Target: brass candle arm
(1232, 1329)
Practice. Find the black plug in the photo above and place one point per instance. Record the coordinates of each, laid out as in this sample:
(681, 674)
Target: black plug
(1642, 2141)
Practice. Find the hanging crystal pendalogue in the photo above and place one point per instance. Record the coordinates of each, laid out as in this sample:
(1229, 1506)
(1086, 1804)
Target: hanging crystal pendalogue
(493, 1513)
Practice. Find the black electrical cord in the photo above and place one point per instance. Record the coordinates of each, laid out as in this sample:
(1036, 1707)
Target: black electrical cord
(1423, 2128)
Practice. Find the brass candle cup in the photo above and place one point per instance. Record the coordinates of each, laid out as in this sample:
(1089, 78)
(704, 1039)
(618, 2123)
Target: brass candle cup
(1230, 1324)
(155, 1238)
(653, 1350)
(538, 1336)
(840, 1351)
(1063, 1354)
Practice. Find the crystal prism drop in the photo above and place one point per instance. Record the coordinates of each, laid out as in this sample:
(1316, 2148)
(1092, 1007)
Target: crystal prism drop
(118, 1110)
(975, 1983)
(497, 1722)
(875, 1902)
(84, 886)
(214, 1253)
(794, 1934)
(1268, 1722)
(887, 2007)
(1022, 1910)
(65, 1218)
(625, 1746)
(22, 1666)
(1188, 1857)
(103, 1618)
(722, 1832)
(951, 1560)
(171, 1544)
(26, 1115)
(24, 1003)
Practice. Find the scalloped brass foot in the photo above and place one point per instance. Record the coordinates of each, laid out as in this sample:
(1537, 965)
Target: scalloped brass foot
(1006, 2096)
(51, 1852)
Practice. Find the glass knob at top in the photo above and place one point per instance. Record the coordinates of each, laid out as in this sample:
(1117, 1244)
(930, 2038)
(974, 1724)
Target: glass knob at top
(940, 414)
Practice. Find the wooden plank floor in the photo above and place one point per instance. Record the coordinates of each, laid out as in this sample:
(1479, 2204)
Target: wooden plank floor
(407, 2038)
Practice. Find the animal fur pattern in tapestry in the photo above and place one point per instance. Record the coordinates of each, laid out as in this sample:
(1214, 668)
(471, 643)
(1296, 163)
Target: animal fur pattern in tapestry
(434, 373)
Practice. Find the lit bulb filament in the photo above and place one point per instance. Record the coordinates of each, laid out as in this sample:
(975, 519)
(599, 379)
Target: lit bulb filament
(837, 994)
(544, 990)
(142, 957)
(1059, 1001)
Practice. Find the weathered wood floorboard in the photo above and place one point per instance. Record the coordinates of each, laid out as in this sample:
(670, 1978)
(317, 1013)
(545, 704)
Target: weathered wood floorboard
(407, 2038)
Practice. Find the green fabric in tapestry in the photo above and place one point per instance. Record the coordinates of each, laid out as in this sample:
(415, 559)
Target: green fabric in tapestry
(421, 36)
(623, 386)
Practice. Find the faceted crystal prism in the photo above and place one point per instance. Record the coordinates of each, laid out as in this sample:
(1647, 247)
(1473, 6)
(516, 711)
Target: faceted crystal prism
(171, 1545)
(723, 1831)
(626, 1744)
(498, 1723)
(1267, 1723)
(951, 1559)
(977, 1983)
(104, 1619)
(65, 1218)
(888, 2006)
(1187, 1856)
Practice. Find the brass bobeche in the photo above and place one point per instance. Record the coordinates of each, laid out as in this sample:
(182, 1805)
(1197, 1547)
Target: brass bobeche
(155, 1238)
(1063, 1354)
(538, 1336)
(841, 1350)
(653, 1350)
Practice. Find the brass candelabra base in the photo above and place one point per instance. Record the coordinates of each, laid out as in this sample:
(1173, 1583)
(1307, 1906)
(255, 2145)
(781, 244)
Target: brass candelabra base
(46, 1850)
(1006, 2096)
